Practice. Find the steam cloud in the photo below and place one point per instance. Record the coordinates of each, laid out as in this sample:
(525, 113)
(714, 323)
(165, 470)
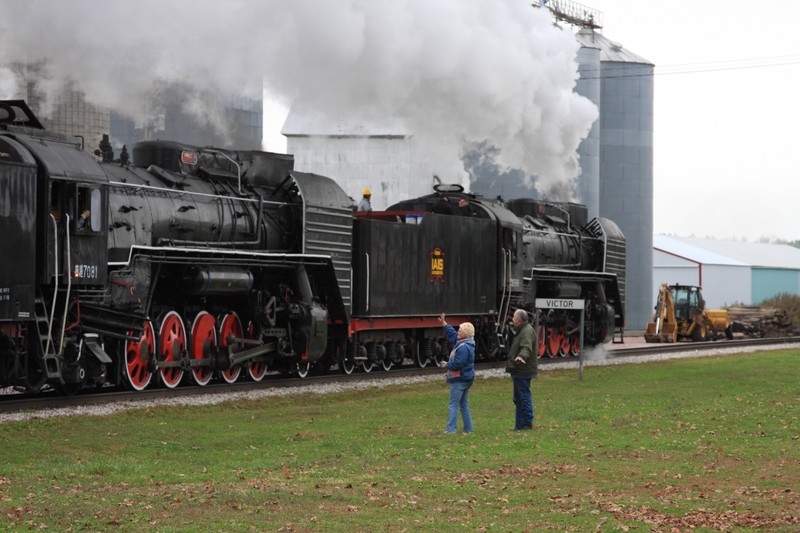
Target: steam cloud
(454, 72)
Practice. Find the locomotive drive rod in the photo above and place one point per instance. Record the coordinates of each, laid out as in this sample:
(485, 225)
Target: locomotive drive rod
(246, 355)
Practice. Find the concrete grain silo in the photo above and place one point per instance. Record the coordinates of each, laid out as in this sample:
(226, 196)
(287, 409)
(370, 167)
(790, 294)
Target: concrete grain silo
(588, 85)
(626, 165)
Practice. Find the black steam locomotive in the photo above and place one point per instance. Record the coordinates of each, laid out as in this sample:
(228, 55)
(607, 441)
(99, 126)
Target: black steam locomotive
(204, 263)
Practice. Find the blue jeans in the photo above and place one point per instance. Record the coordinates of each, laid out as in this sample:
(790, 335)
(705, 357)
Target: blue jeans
(524, 403)
(459, 402)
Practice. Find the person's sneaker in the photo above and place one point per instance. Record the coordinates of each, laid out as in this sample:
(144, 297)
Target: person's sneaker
(523, 428)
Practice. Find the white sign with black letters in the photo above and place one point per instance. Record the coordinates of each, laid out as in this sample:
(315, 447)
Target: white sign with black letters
(558, 303)
(566, 304)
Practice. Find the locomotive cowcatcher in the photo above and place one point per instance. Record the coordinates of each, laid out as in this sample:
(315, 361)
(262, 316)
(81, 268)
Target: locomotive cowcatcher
(197, 263)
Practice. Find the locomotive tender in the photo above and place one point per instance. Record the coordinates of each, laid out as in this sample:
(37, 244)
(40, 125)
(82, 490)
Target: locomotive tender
(194, 263)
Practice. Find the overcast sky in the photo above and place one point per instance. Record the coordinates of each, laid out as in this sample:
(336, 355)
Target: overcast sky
(726, 109)
(726, 112)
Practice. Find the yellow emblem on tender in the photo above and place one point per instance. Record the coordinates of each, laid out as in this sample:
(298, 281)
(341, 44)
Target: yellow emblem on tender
(437, 265)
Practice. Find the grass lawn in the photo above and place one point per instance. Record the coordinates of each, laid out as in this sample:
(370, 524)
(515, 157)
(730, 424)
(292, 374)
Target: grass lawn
(706, 444)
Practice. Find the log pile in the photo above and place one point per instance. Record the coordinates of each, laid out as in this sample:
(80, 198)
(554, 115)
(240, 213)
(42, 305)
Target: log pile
(756, 322)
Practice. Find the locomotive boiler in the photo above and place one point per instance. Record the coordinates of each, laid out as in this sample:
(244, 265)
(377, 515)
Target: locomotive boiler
(189, 264)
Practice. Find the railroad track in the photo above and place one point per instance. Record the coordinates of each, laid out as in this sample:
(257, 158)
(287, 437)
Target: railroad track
(17, 402)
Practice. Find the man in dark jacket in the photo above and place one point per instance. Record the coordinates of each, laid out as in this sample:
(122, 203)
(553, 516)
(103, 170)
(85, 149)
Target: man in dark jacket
(523, 366)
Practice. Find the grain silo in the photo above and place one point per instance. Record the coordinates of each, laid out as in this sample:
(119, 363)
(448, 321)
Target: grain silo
(588, 85)
(620, 143)
(626, 165)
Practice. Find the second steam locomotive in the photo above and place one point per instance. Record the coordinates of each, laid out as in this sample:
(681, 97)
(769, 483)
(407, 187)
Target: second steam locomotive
(192, 263)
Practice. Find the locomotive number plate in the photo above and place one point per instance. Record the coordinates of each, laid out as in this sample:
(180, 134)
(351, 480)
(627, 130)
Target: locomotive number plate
(85, 271)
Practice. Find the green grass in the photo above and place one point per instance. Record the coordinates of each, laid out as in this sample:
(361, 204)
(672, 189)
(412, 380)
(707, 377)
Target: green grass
(706, 444)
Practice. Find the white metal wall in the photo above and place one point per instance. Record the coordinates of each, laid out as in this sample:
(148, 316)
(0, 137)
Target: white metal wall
(389, 166)
(725, 285)
(722, 284)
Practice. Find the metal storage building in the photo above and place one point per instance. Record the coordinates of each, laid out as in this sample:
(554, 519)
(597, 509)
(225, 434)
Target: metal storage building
(729, 271)
(70, 114)
(381, 156)
(237, 123)
(238, 118)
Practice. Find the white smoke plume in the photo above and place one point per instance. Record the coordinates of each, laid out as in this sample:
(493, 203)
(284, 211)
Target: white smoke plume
(8, 83)
(455, 72)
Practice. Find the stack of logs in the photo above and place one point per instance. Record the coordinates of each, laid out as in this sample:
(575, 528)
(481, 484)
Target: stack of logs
(757, 322)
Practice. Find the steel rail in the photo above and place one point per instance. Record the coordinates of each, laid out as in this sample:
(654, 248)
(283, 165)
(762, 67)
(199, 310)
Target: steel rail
(50, 399)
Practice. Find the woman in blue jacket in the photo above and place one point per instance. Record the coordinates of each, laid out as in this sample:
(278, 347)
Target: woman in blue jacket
(460, 372)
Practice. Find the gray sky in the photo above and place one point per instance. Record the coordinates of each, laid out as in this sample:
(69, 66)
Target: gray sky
(726, 112)
(725, 104)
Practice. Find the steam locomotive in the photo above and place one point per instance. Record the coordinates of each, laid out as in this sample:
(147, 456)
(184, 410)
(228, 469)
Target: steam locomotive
(195, 263)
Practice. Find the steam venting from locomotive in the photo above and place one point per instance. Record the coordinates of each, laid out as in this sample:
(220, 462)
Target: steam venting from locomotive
(513, 71)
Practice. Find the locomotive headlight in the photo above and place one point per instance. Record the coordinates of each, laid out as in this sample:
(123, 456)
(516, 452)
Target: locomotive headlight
(188, 157)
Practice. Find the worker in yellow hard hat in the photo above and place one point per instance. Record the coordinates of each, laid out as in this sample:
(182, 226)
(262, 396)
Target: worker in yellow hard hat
(364, 204)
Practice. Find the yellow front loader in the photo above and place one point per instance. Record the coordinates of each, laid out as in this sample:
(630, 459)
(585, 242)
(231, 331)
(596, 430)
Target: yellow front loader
(681, 315)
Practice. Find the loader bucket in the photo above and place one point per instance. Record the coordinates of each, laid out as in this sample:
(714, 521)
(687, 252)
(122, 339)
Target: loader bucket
(650, 334)
(669, 332)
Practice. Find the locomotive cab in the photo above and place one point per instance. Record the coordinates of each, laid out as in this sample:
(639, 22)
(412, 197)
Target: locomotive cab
(77, 233)
(48, 182)
(510, 258)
